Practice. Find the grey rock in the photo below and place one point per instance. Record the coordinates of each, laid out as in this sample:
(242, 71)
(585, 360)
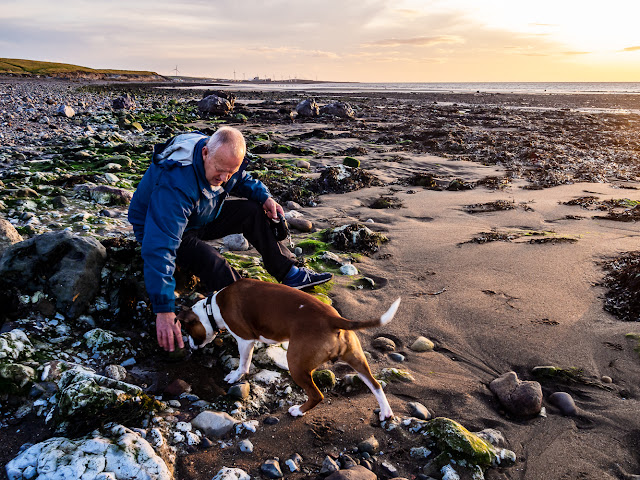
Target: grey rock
(329, 465)
(359, 472)
(126, 102)
(68, 266)
(493, 436)
(300, 224)
(422, 344)
(308, 108)
(370, 445)
(291, 205)
(227, 473)
(206, 443)
(236, 242)
(294, 462)
(271, 420)
(245, 446)
(383, 343)
(388, 469)
(397, 357)
(240, 390)
(104, 194)
(347, 462)
(418, 410)
(518, 397)
(564, 402)
(65, 111)
(214, 424)
(338, 109)
(115, 372)
(59, 201)
(300, 164)
(271, 469)
(214, 105)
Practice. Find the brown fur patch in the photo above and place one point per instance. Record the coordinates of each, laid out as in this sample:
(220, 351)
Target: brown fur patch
(192, 324)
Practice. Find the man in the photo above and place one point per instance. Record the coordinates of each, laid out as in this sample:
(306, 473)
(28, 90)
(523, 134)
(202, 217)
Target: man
(180, 203)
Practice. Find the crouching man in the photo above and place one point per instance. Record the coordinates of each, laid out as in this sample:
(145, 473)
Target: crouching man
(181, 202)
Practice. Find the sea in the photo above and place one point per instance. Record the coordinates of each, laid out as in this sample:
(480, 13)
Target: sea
(488, 87)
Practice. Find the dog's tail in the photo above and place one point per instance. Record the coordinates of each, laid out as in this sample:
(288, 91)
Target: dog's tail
(386, 317)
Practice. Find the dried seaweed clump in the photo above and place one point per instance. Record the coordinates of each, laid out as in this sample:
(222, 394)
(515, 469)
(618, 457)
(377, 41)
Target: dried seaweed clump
(355, 238)
(623, 282)
(342, 179)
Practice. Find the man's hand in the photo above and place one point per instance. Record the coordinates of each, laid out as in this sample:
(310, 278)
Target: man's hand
(168, 331)
(272, 208)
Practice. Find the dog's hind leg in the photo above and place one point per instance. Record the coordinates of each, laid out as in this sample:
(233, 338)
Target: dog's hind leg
(304, 380)
(245, 348)
(356, 359)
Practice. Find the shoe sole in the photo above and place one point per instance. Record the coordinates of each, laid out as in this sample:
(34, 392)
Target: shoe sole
(306, 285)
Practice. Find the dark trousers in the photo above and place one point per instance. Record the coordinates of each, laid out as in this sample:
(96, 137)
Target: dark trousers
(236, 216)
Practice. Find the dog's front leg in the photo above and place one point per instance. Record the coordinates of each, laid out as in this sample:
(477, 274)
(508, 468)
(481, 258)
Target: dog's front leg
(245, 348)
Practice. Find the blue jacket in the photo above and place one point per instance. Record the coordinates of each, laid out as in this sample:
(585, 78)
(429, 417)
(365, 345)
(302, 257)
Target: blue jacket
(173, 197)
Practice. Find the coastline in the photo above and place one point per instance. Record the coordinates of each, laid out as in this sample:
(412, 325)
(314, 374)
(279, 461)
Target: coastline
(528, 296)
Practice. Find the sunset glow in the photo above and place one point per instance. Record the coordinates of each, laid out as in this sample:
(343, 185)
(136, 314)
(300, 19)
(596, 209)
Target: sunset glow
(369, 40)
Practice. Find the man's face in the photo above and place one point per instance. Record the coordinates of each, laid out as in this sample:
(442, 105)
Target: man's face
(220, 165)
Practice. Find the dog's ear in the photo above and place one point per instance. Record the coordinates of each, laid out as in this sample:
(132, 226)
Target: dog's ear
(186, 316)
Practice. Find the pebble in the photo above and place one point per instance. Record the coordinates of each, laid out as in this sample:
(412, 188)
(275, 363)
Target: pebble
(348, 270)
(564, 402)
(370, 445)
(329, 465)
(271, 469)
(518, 397)
(418, 410)
(384, 344)
(245, 446)
(271, 420)
(606, 379)
(240, 390)
(422, 344)
(397, 357)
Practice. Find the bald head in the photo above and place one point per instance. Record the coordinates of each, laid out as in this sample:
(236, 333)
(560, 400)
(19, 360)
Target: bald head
(223, 155)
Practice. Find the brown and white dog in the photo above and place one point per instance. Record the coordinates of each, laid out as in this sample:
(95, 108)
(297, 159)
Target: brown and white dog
(254, 311)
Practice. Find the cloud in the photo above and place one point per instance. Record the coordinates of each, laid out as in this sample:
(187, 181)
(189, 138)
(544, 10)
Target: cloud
(631, 49)
(417, 41)
(575, 53)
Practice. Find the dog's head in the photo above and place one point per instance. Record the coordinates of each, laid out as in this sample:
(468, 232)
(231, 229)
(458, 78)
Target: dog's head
(197, 325)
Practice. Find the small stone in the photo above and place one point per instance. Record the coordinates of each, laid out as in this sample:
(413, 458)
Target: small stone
(177, 388)
(271, 420)
(300, 164)
(397, 357)
(227, 473)
(117, 372)
(370, 445)
(384, 344)
(329, 466)
(214, 424)
(606, 379)
(271, 469)
(349, 270)
(564, 402)
(388, 469)
(347, 462)
(422, 344)
(300, 224)
(297, 251)
(240, 390)
(245, 446)
(206, 443)
(294, 462)
(65, 111)
(418, 410)
(324, 379)
(236, 242)
(351, 162)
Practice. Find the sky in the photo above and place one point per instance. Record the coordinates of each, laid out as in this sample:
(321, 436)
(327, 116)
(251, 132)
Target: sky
(338, 40)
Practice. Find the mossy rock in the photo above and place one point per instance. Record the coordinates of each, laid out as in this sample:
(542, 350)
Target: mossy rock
(460, 445)
(14, 377)
(312, 246)
(351, 162)
(395, 375)
(248, 266)
(324, 379)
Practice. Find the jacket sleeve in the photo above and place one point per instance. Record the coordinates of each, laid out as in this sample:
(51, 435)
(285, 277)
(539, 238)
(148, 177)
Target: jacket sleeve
(251, 188)
(166, 220)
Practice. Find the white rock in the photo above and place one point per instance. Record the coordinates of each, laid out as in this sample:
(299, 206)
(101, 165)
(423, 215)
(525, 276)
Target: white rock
(235, 242)
(232, 474)
(273, 355)
(156, 438)
(184, 426)
(246, 446)
(267, 377)
(349, 270)
(214, 424)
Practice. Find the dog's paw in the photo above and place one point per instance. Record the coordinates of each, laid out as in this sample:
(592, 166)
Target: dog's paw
(295, 411)
(385, 415)
(233, 377)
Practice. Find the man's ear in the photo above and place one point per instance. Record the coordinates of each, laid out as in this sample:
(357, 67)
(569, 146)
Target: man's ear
(205, 151)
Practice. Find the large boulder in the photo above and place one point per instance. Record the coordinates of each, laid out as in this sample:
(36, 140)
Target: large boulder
(308, 108)
(518, 397)
(61, 264)
(214, 105)
(8, 234)
(126, 102)
(338, 109)
(122, 455)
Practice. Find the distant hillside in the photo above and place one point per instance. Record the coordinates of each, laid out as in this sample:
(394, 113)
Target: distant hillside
(20, 67)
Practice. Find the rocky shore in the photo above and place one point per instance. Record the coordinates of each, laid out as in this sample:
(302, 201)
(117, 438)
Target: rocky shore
(501, 219)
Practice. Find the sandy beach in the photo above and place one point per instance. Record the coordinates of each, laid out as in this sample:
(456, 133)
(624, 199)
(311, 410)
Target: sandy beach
(501, 276)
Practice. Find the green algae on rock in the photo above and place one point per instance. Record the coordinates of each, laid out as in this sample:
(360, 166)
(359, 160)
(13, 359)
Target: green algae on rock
(459, 445)
(324, 379)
